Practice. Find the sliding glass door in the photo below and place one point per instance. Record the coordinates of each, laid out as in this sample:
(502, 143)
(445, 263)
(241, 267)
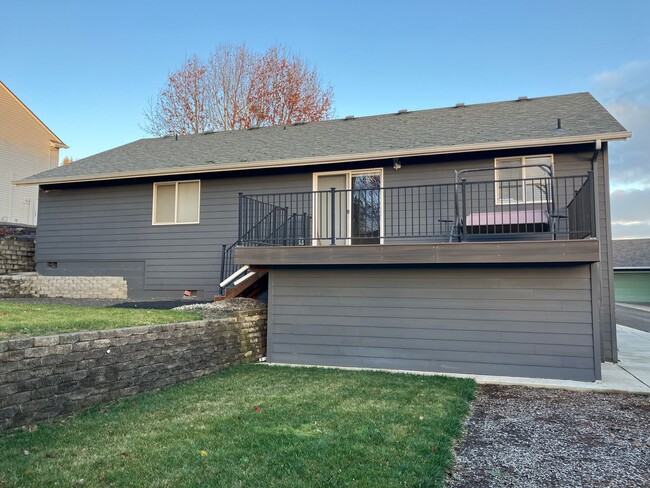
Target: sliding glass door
(353, 213)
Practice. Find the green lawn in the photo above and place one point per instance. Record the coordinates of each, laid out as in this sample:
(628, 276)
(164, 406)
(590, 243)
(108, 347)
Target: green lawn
(32, 319)
(254, 426)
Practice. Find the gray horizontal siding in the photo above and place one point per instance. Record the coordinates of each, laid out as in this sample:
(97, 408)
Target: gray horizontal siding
(436, 319)
(84, 227)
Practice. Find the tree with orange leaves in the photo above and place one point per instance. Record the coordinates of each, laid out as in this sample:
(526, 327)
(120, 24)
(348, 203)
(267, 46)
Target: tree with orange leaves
(237, 89)
(285, 89)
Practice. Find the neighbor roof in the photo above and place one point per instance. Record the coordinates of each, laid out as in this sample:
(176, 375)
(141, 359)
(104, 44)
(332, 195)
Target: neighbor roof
(486, 126)
(631, 253)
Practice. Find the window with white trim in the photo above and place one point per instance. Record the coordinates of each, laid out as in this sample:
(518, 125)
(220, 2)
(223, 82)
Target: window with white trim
(176, 202)
(522, 179)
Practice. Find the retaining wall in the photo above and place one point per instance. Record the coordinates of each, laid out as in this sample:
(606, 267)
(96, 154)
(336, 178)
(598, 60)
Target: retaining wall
(34, 285)
(50, 377)
(16, 254)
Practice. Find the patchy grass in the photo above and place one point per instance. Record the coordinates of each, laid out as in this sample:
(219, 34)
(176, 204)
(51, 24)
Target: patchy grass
(254, 426)
(31, 319)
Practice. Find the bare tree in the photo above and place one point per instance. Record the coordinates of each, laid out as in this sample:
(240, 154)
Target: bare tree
(235, 89)
(229, 80)
(181, 106)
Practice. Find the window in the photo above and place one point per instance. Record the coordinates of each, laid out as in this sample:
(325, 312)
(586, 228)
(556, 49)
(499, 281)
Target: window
(522, 179)
(176, 202)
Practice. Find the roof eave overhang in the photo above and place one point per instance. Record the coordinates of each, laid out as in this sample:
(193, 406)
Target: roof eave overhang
(58, 144)
(333, 159)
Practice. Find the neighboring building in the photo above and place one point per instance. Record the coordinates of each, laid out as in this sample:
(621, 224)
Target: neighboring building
(470, 239)
(632, 270)
(27, 147)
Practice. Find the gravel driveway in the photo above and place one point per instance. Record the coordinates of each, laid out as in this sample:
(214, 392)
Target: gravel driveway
(534, 437)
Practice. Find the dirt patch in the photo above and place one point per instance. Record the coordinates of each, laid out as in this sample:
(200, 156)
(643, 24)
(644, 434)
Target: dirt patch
(534, 437)
(149, 303)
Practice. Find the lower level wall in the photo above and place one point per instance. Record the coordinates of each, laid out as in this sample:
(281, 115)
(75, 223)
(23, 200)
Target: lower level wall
(49, 377)
(533, 321)
(34, 285)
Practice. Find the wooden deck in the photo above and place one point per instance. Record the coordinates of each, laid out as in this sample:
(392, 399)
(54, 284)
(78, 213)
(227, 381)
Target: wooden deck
(569, 251)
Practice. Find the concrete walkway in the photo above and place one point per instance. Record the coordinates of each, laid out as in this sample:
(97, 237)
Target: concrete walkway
(634, 353)
(630, 375)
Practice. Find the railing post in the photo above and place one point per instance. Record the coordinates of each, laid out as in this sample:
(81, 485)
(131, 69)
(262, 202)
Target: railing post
(285, 220)
(464, 214)
(304, 228)
(294, 228)
(332, 216)
(241, 224)
(592, 204)
(223, 266)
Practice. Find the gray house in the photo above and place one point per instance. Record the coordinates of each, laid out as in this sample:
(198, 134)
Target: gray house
(632, 270)
(470, 239)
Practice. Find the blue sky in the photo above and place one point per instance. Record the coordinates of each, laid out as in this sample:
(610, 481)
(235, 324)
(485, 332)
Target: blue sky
(87, 69)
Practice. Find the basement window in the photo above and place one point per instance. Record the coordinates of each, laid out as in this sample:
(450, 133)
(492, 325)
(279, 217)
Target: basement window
(176, 202)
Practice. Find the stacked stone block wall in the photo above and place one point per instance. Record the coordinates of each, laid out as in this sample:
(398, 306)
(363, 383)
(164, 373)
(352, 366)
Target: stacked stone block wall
(16, 254)
(51, 377)
(34, 285)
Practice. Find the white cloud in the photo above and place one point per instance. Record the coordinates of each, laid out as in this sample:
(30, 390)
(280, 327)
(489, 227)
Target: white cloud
(631, 206)
(625, 92)
(630, 231)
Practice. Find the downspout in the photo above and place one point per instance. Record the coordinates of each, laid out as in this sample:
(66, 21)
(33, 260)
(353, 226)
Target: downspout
(597, 149)
(608, 243)
(11, 196)
(596, 275)
(594, 172)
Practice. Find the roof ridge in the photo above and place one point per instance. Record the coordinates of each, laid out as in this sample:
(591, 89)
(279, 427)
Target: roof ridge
(365, 117)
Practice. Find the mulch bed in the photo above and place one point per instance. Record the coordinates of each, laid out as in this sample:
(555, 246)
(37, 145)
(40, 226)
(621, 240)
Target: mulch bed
(149, 303)
(534, 437)
(16, 230)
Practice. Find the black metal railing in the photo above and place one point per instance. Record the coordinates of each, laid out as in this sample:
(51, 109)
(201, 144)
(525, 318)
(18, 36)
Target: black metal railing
(513, 209)
(534, 208)
(581, 211)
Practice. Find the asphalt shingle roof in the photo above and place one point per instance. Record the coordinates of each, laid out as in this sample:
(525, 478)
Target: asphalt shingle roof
(631, 253)
(534, 118)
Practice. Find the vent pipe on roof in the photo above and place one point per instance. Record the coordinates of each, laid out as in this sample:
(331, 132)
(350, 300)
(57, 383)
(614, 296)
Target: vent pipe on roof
(522, 99)
(459, 105)
(559, 124)
(402, 111)
(349, 117)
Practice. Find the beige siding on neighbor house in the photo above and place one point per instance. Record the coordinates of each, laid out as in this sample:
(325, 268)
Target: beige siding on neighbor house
(25, 149)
